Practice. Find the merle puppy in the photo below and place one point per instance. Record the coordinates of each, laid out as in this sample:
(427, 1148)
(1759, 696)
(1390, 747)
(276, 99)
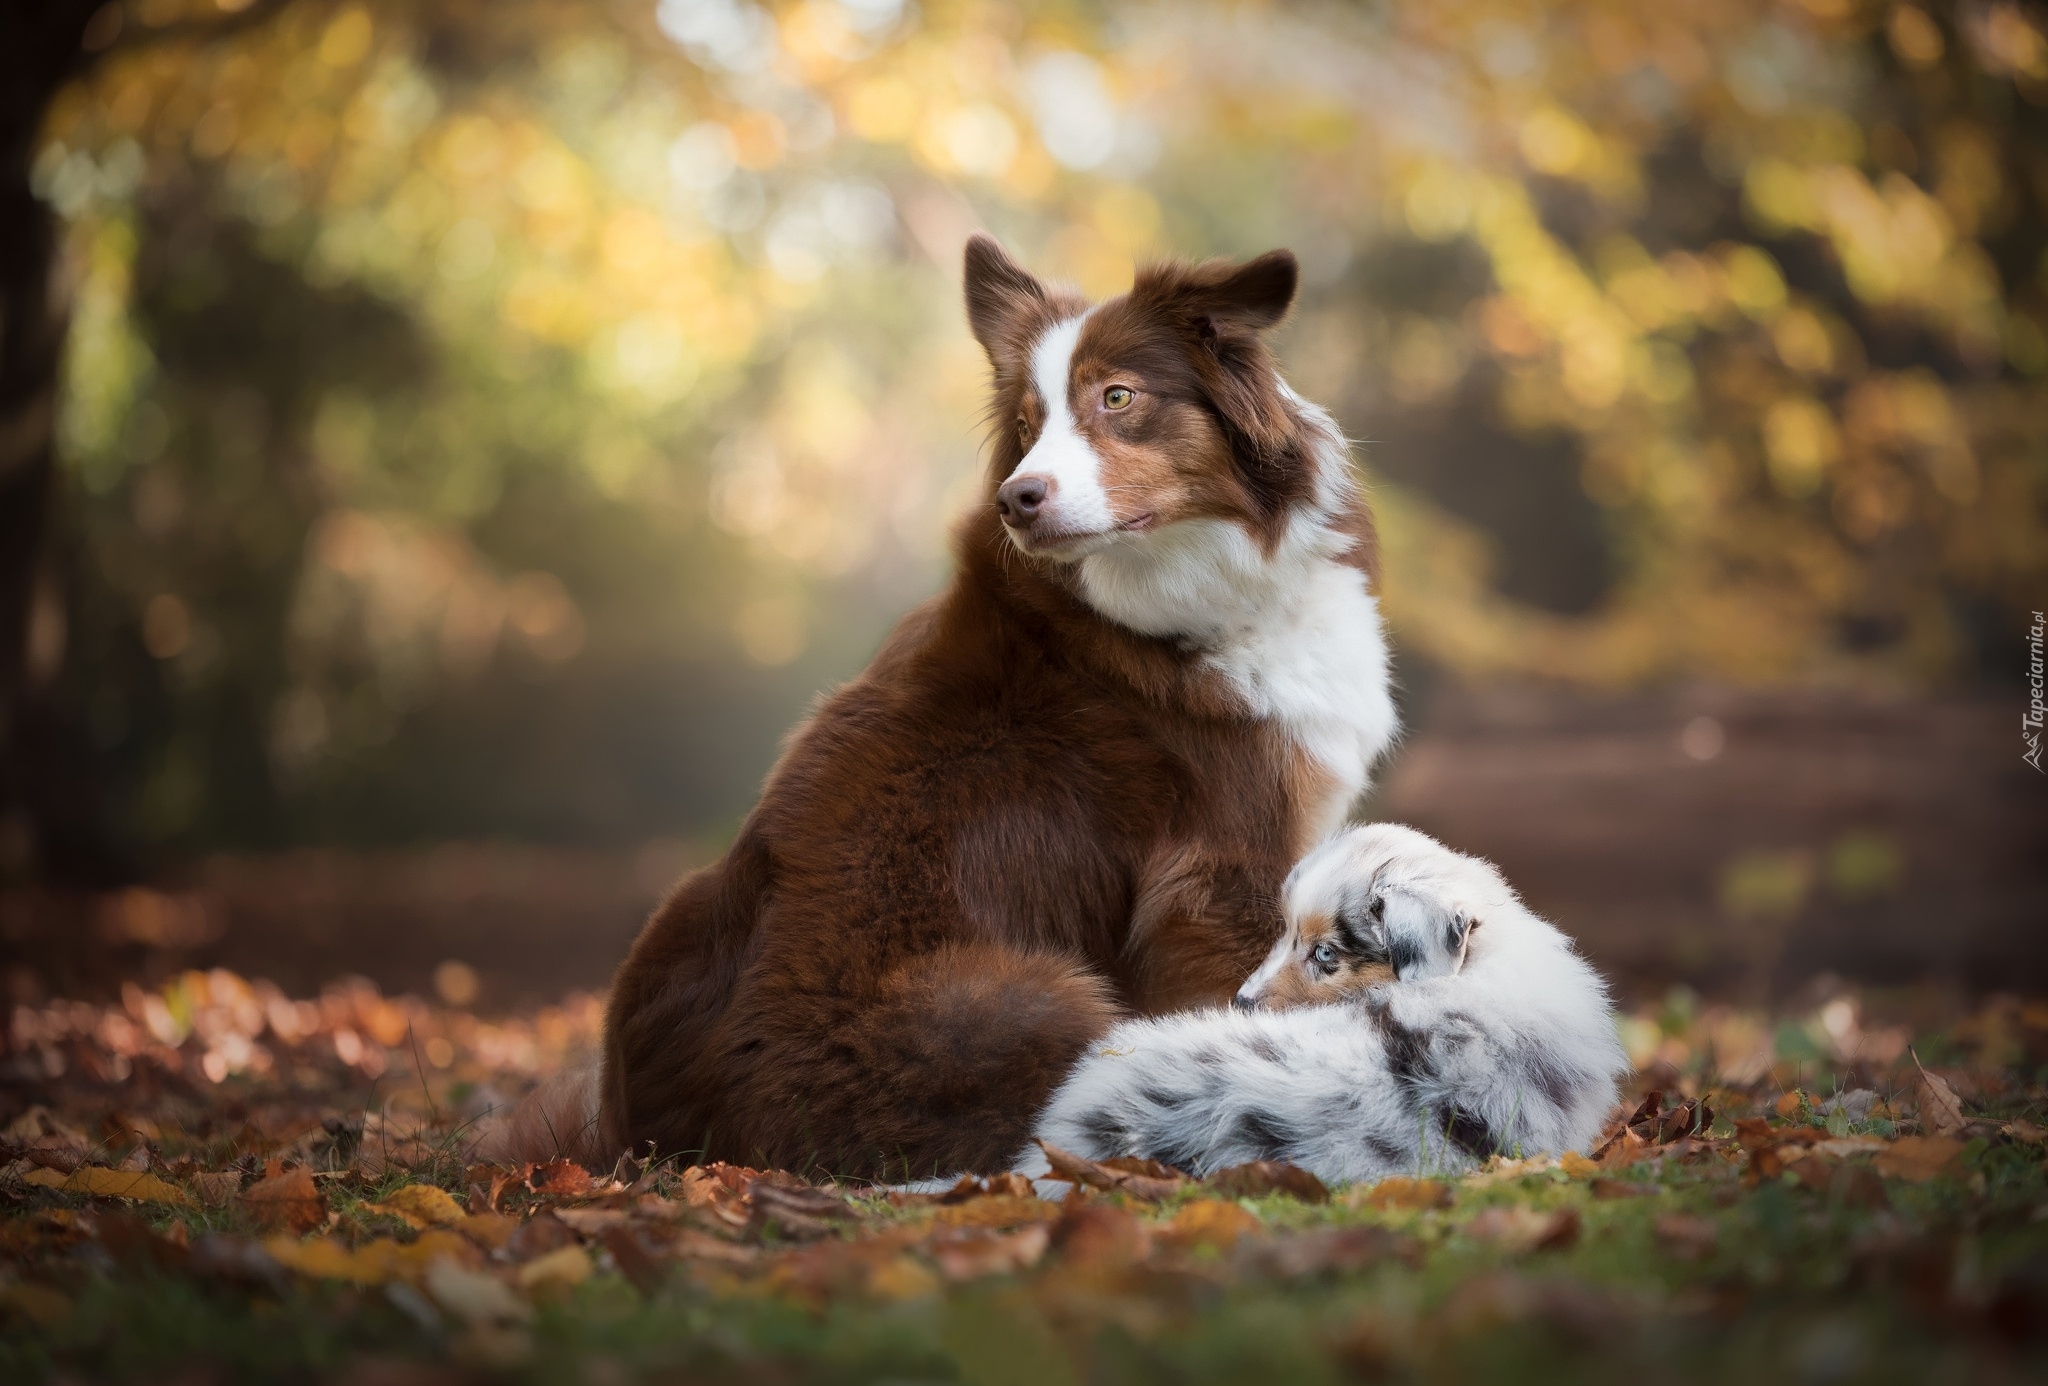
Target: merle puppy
(1415, 1016)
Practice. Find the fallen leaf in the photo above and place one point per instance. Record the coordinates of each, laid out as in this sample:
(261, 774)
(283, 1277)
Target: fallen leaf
(46, 1178)
(217, 1188)
(491, 1230)
(1209, 1222)
(1008, 1185)
(1330, 1250)
(286, 1200)
(114, 1183)
(476, 1297)
(1576, 1165)
(560, 1179)
(1789, 1103)
(375, 1262)
(1941, 1110)
(1523, 1230)
(1918, 1158)
(973, 1254)
(559, 1270)
(1099, 1236)
(1400, 1192)
(592, 1222)
(1268, 1176)
(1139, 1179)
(538, 1235)
(798, 1212)
(999, 1210)
(420, 1206)
(2025, 1131)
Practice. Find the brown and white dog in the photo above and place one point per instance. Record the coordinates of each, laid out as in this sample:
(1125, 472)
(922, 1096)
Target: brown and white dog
(1067, 789)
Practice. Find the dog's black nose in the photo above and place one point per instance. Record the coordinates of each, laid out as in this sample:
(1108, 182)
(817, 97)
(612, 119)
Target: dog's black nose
(1019, 498)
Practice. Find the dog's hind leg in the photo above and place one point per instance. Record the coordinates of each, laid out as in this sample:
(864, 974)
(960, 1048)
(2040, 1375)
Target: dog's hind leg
(939, 1069)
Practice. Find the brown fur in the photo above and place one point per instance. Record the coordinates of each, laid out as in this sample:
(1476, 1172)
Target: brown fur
(1020, 823)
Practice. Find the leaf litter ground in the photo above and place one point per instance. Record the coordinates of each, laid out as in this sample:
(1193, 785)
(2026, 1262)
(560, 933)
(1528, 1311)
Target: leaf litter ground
(215, 1182)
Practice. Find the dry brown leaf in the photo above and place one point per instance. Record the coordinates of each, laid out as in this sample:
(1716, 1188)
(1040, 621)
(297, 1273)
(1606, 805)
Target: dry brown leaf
(1209, 1222)
(1139, 1178)
(1268, 1176)
(1789, 1103)
(1400, 1192)
(286, 1200)
(1330, 1250)
(593, 1222)
(1919, 1158)
(114, 1183)
(1099, 1236)
(1524, 1230)
(997, 1211)
(474, 1296)
(560, 1179)
(972, 1254)
(217, 1188)
(2025, 1131)
(1009, 1185)
(1941, 1111)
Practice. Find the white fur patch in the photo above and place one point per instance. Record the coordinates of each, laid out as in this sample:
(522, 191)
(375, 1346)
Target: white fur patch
(1297, 634)
(1078, 504)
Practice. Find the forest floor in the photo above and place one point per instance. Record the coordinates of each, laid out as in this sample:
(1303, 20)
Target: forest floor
(213, 1182)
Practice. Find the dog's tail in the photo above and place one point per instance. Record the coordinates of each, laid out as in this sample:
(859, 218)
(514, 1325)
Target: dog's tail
(556, 1121)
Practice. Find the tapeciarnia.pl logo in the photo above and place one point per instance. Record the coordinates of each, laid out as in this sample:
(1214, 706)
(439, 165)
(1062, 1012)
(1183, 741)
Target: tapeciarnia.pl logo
(2030, 725)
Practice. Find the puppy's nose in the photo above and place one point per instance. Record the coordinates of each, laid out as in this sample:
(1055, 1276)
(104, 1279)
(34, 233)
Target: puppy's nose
(1244, 1002)
(1019, 499)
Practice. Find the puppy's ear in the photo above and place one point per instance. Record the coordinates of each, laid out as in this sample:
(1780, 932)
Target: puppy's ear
(1004, 301)
(1463, 926)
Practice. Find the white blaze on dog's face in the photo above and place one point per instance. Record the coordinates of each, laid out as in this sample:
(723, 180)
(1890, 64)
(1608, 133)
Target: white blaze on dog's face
(1364, 908)
(1159, 407)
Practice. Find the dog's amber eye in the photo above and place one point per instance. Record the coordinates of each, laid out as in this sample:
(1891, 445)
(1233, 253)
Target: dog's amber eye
(1117, 397)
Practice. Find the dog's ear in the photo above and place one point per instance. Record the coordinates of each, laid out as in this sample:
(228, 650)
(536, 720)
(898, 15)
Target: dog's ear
(1004, 301)
(1250, 297)
(1221, 309)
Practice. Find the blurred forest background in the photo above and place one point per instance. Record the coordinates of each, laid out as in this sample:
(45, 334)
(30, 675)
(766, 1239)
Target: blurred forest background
(445, 444)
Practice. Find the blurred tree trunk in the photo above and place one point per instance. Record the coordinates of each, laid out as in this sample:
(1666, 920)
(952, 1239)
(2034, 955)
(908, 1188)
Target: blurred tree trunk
(42, 46)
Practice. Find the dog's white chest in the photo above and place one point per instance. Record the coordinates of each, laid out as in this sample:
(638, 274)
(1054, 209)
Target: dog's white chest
(1315, 663)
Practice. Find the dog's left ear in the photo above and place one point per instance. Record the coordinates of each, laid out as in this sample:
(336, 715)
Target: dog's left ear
(1250, 297)
(1222, 308)
(1463, 926)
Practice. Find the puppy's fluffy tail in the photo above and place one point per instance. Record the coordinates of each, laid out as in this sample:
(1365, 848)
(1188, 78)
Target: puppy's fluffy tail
(556, 1121)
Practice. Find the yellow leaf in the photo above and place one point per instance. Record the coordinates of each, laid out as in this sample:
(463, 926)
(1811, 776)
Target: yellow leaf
(1210, 1222)
(46, 1178)
(421, 1206)
(474, 1296)
(376, 1262)
(901, 1278)
(1577, 1165)
(561, 1268)
(1401, 1192)
(116, 1183)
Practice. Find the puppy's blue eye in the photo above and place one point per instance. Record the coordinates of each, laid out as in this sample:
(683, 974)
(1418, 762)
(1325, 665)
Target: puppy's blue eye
(1324, 956)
